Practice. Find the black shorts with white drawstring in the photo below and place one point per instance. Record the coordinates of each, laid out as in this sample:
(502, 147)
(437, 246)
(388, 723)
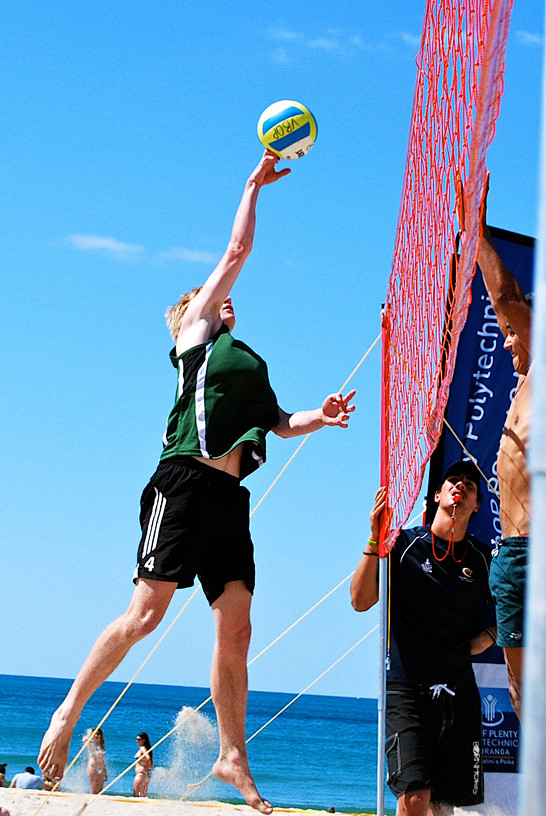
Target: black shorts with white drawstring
(433, 742)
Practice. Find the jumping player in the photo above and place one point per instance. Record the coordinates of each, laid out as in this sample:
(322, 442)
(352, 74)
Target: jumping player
(194, 512)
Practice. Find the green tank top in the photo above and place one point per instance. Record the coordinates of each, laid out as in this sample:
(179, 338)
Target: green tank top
(223, 398)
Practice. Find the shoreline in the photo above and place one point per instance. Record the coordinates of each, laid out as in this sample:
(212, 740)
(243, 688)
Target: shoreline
(26, 803)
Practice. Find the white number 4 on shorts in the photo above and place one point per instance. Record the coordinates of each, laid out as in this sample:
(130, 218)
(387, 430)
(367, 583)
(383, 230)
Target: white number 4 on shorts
(150, 563)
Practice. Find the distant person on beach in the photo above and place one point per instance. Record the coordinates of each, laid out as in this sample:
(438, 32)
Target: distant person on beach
(26, 780)
(143, 768)
(438, 599)
(96, 761)
(3, 766)
(509, 564)
(194, 512)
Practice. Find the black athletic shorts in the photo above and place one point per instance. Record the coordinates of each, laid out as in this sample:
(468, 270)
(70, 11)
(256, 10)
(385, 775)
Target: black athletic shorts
(434, 743)
(195, 521)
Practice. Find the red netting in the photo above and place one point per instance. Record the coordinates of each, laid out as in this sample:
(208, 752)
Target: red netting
(457, 98)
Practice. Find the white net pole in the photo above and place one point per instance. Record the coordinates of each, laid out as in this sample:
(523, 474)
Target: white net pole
(533, 782)
(382, 692)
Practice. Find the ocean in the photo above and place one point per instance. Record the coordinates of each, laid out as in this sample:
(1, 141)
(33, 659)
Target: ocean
(320, 753)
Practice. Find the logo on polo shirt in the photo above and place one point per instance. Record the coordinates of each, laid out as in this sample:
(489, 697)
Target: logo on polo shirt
(467, 574)
(427, 566)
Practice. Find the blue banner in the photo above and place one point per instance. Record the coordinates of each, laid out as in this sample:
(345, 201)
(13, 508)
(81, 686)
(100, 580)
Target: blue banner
(481, 392)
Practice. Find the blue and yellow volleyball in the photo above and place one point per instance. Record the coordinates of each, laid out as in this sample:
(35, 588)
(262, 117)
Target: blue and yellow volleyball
(288, 129)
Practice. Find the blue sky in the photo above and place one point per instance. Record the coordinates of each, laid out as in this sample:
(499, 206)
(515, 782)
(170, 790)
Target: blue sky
(129, 131)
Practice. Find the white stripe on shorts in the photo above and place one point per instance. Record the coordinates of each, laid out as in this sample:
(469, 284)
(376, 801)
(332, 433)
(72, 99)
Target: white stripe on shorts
(154, 524)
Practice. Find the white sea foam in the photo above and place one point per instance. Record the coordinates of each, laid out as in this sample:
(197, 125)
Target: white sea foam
(192, 751)
(76, 779)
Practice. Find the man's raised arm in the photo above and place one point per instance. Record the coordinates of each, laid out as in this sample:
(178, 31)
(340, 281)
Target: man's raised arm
(364, 585)
(506, 296)
(206, 304)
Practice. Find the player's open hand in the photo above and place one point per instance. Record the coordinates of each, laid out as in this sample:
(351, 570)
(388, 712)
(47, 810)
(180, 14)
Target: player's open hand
(377, 509)
(336, 409)
(265, 172)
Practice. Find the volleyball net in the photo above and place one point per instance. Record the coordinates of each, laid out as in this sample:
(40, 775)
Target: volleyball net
(456, 103)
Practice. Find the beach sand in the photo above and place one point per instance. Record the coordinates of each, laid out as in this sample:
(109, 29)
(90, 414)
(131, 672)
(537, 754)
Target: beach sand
(26, 803)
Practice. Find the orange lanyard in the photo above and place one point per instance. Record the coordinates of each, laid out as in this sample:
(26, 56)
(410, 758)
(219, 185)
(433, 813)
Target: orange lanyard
(450, 543)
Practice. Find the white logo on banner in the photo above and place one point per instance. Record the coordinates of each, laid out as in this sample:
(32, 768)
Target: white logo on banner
(492, 717)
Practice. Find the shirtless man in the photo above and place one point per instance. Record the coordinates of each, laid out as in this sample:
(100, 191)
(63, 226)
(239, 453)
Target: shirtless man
(194, 513)
(510, 556)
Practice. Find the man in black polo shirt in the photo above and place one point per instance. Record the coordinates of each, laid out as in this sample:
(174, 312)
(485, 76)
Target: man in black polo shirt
(439, 593)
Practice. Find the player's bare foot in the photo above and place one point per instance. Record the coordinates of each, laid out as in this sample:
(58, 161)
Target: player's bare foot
(235, 771)
(53, 755)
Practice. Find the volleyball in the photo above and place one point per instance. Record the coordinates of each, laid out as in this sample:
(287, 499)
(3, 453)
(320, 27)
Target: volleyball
(288, 129)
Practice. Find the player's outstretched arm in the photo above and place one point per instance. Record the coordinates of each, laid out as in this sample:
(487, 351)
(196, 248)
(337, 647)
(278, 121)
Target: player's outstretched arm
(334, 411)
(206, 305)
(505, 293)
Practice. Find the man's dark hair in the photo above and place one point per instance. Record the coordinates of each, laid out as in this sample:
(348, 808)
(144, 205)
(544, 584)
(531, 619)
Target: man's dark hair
(29, 769)
(464, 468)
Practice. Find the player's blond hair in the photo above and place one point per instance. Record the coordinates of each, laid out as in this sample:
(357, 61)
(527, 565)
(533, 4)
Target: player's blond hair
(174, 314)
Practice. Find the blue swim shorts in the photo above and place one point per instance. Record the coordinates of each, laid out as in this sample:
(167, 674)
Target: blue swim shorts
(507, 577)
